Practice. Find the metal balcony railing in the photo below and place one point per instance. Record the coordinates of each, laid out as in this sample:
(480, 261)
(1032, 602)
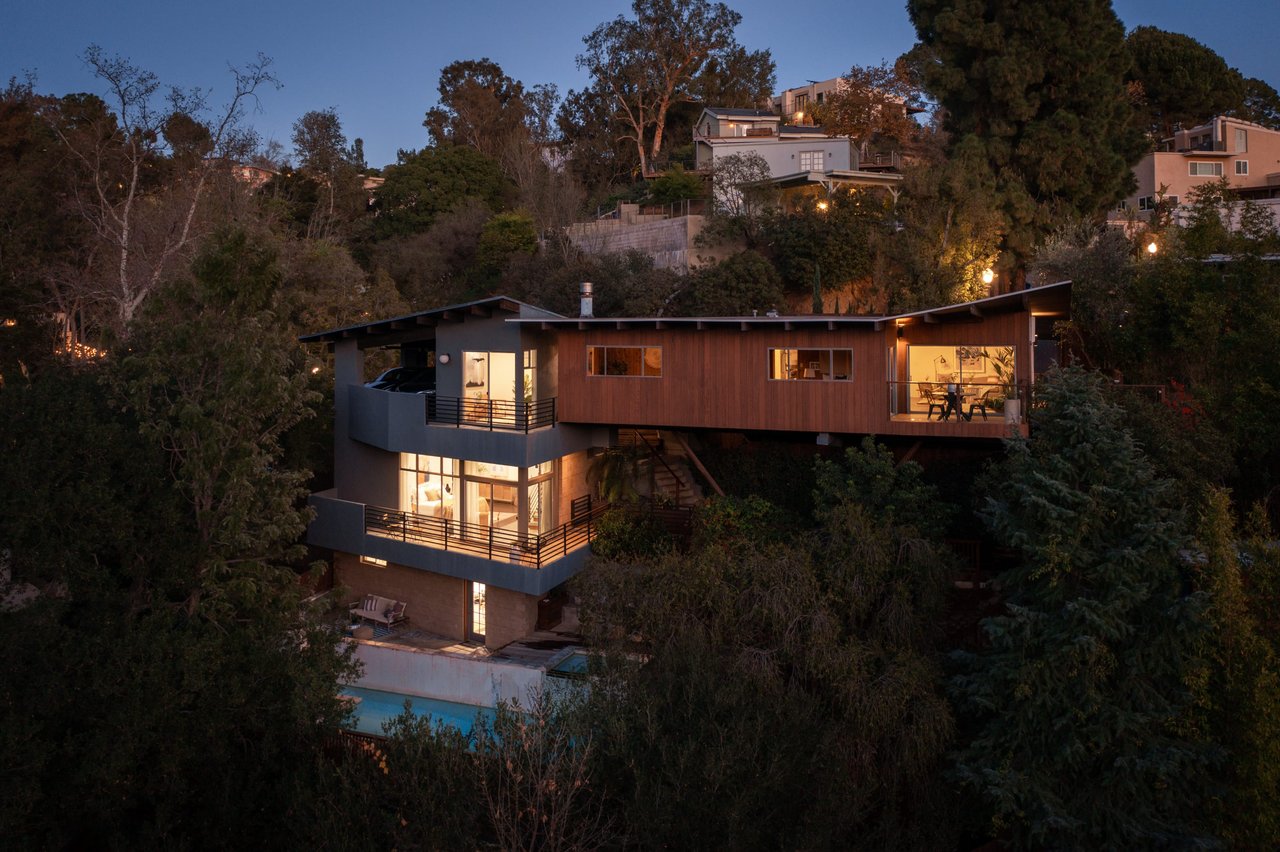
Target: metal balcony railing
(518, 416)
(484, 541)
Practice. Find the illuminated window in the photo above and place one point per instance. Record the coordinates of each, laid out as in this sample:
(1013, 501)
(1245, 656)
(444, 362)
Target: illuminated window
(428, 485)
(373, 560)
(811, 364)
(638, 361)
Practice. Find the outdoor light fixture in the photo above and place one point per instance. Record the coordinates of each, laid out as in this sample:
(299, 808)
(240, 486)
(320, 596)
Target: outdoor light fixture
(823, 205)
(315, 370)
(988, 275)
(443, 358)
(1152, 248)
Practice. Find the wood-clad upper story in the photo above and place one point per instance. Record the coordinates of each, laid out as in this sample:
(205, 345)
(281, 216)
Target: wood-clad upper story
(816, 374)
(833, 374)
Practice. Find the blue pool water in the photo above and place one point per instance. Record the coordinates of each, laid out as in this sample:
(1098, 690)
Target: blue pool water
(376, 707)
(572, 667)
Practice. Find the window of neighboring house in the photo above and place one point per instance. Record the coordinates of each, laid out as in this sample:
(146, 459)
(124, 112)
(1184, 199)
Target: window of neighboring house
(1146, 202)
(811, 364)
(811, 161)
(373, 560)
(1204, 169)
(638, 361)
(1242, 167)
(1242, 141)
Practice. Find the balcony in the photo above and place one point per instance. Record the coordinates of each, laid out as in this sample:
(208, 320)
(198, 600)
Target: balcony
(484, 541)
(490, 413)
(514, 433)
(532, 565)
(978, 409)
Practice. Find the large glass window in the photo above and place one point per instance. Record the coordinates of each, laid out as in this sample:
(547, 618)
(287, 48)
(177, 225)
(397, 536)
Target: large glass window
(482, 494)
(1204, 169)
(489, 386)
(811, 364)
(981, 371)
(642, 361)
(428, 485)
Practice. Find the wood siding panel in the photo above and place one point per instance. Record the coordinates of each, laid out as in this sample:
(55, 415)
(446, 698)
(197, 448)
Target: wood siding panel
(718, 378)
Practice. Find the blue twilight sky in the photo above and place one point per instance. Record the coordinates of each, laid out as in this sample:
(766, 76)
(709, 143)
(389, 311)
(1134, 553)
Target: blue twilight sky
(377, 63)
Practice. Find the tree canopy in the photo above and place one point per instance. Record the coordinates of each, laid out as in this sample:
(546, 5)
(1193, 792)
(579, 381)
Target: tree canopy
(672, 51)
(1035, 93)
(1081, 700)
(1182, 81)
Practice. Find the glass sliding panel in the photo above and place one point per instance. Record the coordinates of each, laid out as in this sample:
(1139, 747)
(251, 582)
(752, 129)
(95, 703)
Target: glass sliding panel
(476, 626)
(529, 387)
(653, 361)
(929, 369)
(842, 364)
(479, 497)
(541, 509)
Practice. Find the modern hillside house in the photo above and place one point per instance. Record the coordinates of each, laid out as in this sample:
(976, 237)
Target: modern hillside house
(470, 502)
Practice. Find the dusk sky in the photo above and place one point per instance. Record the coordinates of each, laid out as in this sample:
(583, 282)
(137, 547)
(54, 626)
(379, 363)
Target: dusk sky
(378, 63)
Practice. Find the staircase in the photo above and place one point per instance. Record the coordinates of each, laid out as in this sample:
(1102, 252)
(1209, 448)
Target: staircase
(669, 477)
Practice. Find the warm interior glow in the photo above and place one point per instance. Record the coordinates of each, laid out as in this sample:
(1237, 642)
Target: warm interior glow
(988, 275)
(10, 322)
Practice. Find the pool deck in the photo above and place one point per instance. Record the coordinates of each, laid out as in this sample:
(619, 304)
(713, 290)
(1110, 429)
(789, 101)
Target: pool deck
(541, 649)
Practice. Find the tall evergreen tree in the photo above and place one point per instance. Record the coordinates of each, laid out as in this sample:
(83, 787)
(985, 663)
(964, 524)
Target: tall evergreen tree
(1036, 90)
(1080, 701)
(1183, 81)
(1240, 693)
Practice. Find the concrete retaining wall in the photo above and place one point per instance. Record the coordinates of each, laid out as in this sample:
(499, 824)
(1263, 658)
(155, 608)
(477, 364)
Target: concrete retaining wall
(433, 674)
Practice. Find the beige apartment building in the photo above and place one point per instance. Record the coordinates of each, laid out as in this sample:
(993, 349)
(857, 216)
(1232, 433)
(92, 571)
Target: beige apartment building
(1246, 154)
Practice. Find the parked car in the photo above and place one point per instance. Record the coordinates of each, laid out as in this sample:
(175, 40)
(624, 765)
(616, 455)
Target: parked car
(405, 380)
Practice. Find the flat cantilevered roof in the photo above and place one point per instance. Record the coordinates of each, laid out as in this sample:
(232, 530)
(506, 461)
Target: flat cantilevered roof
(480, 308)
(1048, 298)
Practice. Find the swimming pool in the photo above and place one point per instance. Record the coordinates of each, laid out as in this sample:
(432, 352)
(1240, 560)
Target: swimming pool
(572, 667)
(376, 707)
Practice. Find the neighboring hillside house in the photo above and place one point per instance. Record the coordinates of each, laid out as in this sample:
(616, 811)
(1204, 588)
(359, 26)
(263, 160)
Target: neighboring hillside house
(1246, 154)
(788, 149)
(796, 105)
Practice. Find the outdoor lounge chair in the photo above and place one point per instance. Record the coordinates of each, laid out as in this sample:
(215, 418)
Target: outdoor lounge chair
(376, 608)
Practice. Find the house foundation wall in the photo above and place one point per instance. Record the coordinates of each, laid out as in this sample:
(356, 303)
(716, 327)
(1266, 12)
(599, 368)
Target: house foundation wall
(436, 603)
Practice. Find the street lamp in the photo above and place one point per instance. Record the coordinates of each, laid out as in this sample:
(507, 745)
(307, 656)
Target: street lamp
(988, 275)
(1152, 248)
(822, 206)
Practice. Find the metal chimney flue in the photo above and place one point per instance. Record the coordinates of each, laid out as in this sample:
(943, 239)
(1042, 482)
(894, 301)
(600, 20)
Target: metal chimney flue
(586, 311)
